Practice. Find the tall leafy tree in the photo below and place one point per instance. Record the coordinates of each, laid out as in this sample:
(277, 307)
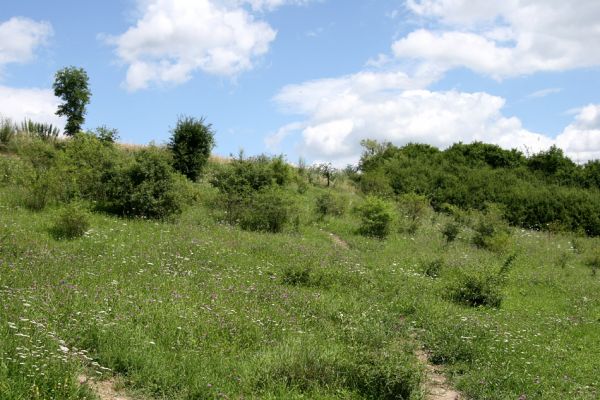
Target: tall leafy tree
(71, 85)
(191, 143)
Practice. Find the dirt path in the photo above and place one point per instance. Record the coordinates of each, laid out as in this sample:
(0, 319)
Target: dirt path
(104, 389)
(338, 241)
(436, 386)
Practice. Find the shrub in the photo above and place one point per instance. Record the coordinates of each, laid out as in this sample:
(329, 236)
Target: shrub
(72, 223)
(375, 183)
(491, 231)
(297, 276)
(7, 132)
(375, 218)
(450, 231)
(191, 143)
(476, 290)
(433, 268)
(330, 204)
(593, 262)
(267, 211)
(144, 187)
(106, 134)
(88, 160)
(44, 181)
(413, 207)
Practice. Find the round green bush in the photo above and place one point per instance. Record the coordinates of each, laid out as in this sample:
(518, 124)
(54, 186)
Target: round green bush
(375, 218)
(72, 222)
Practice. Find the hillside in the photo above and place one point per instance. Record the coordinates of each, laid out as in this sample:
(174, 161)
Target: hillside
(207, 303)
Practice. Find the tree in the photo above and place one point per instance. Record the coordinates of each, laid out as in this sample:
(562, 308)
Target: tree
(71, 85)
(191, 143)
(327, 171)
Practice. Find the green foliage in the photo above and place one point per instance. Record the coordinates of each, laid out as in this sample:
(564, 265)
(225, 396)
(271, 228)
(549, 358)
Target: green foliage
(146, 187)
(330, 203)
(106, 134)
(191, 142)
(71, 223)
(593, 262)
(245, 183)
(375, 218)
(267, 210)
(42, 182)
(71, 85)
(7, 132)
(476, 290)
(413, 207)
(375, 183)
(297, 275)
(89, 161)
(327, 171)
(450, 230)
(491, 231)
(42, 131)
(433, 268)
(543, 192)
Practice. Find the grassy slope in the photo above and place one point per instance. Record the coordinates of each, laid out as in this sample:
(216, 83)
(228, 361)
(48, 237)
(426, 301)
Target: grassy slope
(195, 309)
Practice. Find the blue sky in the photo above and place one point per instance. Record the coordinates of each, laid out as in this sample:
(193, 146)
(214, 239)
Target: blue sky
(312, 78)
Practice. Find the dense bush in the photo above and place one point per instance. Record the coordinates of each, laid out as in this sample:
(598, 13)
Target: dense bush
(491, 231)
(191, 143)
(476, 290)
(433, 268)
(88, 160)
(43, 182)
(450, 231)
(146, 186)
(72, 223)
(244, 183)
(413, 208)
(330, 203)
(546, 190)
(268, 210)
(375, 218)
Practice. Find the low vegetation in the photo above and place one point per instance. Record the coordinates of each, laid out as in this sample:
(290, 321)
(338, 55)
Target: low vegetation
(233, 284)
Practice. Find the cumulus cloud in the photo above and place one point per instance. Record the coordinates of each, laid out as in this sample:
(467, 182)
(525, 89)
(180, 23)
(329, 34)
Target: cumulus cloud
(581, 139)
(507, 38)
(339, 113)
(174, 38)
(20, 37)
(39, 105)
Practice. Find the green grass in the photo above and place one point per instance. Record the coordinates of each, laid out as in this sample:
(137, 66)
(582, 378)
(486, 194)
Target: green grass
(196, 309)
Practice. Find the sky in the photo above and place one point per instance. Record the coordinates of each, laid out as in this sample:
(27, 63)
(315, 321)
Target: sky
(312, 78)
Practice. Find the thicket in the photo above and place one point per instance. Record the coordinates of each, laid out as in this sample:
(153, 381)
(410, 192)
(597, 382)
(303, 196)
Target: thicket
(90, 168)
(544, 191)
(250, 192)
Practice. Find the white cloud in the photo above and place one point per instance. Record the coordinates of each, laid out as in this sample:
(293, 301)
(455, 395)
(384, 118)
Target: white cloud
(506, 38)
(339, 113)
(20, 37)
(581, 139)
(37, 104)
(174, 38)
(543, 93)
(267, 5)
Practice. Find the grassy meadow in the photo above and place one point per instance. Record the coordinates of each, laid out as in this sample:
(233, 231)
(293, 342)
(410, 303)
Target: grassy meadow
(193, 308)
